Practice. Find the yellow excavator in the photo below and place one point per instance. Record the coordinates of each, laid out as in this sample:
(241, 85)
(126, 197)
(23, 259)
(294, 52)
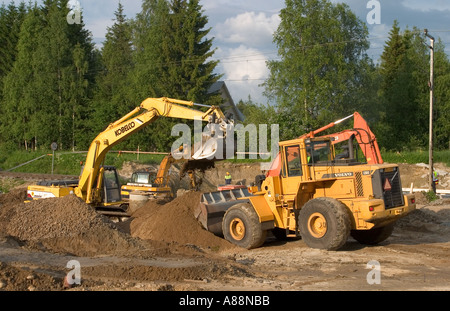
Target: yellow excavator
(98, 184)
(155, 184)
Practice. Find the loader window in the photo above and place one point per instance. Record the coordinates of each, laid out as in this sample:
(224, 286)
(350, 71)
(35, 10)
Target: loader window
(294, 164)
(319, 151)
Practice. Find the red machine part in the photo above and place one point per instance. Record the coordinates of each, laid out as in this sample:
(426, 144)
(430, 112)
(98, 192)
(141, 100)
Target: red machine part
(364, 136)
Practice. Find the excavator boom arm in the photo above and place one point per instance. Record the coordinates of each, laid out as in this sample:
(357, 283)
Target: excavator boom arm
(149, 110)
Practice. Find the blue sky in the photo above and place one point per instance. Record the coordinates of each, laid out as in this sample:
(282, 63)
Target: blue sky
(243, 30)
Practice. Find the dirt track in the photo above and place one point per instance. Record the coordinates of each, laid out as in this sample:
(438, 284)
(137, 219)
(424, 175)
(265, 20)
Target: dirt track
(162, 248)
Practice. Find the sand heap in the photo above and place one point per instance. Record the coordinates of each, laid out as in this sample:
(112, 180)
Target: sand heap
(175, 222)
(8, 202)
(431, 218)
(67, 225)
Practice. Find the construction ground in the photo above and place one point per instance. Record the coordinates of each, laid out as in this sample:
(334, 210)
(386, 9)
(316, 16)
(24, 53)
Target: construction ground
(163, 248)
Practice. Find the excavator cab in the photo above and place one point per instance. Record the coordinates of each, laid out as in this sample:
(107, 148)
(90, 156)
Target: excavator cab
(143, 177)
(111, 185)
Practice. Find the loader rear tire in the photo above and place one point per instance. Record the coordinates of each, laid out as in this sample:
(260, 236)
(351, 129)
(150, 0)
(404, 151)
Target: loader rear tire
(241, 226)
(373, 236)
(324, 223)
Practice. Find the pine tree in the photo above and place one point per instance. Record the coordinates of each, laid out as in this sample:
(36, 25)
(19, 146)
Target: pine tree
(403, 91)
(171, 58)
(46, 91)
(23, 117)
(149, 28)
(112, 96)
(11, 19)
(442, 97)
(189, 74)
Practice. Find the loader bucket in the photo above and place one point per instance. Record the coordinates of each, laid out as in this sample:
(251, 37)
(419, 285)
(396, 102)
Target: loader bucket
(213, 205)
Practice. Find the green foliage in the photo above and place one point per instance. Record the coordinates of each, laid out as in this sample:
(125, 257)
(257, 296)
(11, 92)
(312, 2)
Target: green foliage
(55, 86)
(420, 156)
(403, 88)
(171, 60)
(323, 53)
(431, 196)
(46, 91)
(404, 94)
(58, 88)
(111, 99)
(67, 163)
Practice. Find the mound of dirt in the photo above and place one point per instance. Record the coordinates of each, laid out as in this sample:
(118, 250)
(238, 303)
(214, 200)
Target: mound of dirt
(430, 218)
(14, 196)
(8, 202)
(174, 222)
(67, 225)
(17, 279)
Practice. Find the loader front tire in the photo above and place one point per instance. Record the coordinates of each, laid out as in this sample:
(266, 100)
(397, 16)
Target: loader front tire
(324, 223)
(241, 226)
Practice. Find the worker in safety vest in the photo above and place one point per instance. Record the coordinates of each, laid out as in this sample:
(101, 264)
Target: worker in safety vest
(228, 178)
(435, 180)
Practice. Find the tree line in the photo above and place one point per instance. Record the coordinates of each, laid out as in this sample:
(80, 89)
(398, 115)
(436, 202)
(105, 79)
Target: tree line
(324, 74)
(56, 86)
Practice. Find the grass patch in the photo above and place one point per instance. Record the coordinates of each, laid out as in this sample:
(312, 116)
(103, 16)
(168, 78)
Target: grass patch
(6, 184)
(431, 196)
(413, 157)
(66, 163)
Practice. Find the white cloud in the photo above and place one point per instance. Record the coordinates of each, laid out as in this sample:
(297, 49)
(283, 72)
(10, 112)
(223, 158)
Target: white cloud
(98, 26)
(249, 28)
(244, 68)
(378, 36)
(426, 6)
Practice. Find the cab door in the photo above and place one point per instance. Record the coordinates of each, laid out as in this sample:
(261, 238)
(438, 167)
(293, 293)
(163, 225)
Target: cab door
(293, 169)
(111, 185)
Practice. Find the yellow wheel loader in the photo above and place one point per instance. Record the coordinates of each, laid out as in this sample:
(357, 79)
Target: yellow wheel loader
(311, 193)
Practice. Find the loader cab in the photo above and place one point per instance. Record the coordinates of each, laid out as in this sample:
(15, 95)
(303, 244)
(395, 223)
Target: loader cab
(348, 153)
(319, 152)
(300, 157)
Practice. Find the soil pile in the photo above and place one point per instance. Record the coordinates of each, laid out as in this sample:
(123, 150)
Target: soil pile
(174, 222)
(17, 279)
(431, 218)
(8, 202)
(67, 225)
(17, 195)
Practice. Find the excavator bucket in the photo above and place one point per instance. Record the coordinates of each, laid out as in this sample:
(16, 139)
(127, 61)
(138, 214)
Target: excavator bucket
(213, 145)
(213, 206)
(207, 149)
